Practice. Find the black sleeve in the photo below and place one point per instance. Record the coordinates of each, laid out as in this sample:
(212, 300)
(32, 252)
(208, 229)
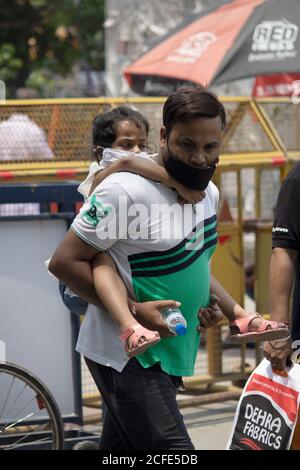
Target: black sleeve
(286, 226)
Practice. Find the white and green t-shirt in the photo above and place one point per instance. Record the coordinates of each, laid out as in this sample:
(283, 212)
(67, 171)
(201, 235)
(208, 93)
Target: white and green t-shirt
(161, 250)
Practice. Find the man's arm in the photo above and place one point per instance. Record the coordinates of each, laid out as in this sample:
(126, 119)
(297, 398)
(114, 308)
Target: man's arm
(71, 264)
(281, 282)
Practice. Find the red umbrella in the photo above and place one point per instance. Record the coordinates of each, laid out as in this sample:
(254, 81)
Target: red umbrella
(242, 38)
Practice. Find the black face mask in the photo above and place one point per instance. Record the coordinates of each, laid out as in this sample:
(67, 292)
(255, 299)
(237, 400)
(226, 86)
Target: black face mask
(190, 177)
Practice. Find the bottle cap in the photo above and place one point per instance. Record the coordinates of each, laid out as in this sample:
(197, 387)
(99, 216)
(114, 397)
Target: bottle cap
(180, 329)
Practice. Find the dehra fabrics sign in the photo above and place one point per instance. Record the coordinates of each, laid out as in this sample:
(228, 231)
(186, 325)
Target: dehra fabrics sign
(267, 411)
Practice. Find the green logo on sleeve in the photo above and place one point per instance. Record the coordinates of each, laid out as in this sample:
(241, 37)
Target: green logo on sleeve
(96, 212)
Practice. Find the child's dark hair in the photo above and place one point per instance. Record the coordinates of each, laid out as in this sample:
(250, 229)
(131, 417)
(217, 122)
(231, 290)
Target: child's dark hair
(188, 103)
(105, 127)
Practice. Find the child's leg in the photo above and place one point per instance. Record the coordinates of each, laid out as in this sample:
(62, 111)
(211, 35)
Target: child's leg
(112, 293)
(245, 326)
(111, 290)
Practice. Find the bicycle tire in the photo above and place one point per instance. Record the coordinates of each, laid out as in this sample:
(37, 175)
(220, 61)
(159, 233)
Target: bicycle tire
(42, 392)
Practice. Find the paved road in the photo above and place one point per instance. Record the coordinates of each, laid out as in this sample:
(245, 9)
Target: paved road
(209, 425)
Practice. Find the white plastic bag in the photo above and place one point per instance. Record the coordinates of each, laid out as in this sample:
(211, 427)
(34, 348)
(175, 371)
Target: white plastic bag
(267, 410)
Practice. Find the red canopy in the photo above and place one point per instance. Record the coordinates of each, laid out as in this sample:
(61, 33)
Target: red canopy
(195, 52)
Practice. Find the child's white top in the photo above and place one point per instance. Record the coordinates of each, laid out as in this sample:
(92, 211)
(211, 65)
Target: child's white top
(109, 156)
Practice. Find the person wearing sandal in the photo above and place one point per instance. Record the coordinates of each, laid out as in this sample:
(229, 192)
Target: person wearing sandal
(140, 392)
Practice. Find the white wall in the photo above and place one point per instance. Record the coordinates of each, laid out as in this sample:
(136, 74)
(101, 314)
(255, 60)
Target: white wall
(34, 323)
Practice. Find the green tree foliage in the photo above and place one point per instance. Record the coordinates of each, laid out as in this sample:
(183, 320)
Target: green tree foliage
(50, 35)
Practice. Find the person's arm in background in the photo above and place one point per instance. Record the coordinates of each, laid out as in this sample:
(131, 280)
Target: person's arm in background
(281, 282)
(286, 246)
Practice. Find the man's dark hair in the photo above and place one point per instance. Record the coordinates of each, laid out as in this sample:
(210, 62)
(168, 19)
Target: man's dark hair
(105, 125)
(189, 103)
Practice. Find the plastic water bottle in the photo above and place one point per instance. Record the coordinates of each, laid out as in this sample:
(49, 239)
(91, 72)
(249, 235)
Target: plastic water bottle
(174, 320)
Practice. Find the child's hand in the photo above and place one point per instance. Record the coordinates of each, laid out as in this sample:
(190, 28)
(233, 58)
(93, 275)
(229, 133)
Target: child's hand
(211, 315)
(186, 195)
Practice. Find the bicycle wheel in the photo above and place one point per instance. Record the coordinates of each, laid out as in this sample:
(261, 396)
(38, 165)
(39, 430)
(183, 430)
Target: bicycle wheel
(29, 415)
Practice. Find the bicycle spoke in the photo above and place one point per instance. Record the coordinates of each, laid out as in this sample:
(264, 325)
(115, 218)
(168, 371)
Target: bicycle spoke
(15, 401)
(18, 396)
(17, 414)
(15, 444)
(6, 399)
(21, 445)
(17, 422)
